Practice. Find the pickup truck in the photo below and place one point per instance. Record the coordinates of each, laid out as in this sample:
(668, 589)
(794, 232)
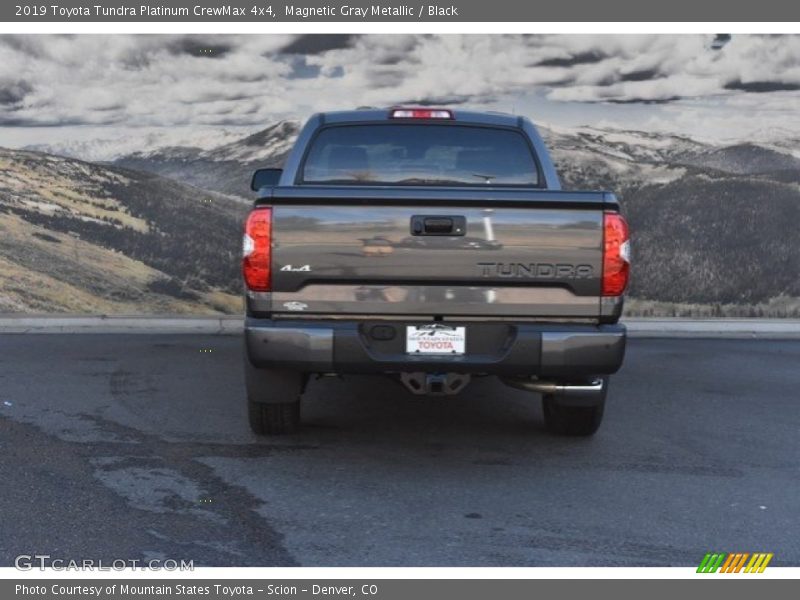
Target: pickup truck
(431, 246)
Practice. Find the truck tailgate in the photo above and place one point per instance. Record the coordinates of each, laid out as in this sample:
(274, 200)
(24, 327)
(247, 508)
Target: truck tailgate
(514, 253)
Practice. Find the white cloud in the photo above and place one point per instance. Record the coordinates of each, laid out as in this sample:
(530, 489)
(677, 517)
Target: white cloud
(177, 81)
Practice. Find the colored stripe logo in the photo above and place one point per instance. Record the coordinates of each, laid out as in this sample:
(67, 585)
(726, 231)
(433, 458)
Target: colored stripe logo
(735, 562)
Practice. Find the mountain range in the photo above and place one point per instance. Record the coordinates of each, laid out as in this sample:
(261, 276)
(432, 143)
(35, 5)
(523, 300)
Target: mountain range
(81, 237)
(713, 225)
(226, 168)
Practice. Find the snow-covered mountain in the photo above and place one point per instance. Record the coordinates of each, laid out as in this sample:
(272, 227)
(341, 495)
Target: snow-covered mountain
(225, 168)
(623, 160)
(623, 144)
(586, 157)
(262, 146)
(611, 159)
(123, 143)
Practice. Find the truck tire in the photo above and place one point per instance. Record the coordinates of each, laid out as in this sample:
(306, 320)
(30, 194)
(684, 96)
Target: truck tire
(563, 417)
(273, 399)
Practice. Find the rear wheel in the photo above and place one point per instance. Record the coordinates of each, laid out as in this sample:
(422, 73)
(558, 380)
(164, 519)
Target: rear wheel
(273, 400)
(563, 418)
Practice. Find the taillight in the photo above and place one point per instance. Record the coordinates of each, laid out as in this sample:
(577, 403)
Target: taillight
(257, 250)
(616, 254)
(421, 113)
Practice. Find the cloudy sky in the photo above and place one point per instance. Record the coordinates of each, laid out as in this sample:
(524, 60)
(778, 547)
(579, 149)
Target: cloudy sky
(89, 86)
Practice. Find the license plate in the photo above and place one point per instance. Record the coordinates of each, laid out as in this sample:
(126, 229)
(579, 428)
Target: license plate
(435, 339)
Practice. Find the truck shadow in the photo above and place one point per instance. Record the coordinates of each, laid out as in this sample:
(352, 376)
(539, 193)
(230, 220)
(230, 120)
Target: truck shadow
(362, 404)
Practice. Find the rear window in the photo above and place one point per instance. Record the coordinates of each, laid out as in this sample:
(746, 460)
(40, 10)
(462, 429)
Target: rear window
(424, 154)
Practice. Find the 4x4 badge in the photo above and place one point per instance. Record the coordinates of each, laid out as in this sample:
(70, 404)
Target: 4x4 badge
(304, 268)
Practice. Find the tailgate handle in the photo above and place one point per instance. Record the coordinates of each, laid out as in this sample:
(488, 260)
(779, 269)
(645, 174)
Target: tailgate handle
(438, 225)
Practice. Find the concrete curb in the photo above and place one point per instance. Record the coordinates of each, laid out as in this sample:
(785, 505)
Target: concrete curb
(788, 329)
(232, 325)
(106, 324)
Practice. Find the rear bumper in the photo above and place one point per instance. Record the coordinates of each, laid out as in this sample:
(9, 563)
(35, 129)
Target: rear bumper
(496, 348)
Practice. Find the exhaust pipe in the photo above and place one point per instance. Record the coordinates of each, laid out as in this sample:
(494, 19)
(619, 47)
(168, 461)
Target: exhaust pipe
(552, 387)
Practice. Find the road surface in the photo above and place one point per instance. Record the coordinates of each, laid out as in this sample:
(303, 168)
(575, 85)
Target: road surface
(137, 447)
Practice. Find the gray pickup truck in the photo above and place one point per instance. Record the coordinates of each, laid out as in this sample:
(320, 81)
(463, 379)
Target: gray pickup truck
(431, 246)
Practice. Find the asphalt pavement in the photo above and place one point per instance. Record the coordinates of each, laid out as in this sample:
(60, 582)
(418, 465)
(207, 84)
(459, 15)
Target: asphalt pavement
(137, 447)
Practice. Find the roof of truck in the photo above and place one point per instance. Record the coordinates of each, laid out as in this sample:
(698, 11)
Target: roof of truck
(461, 116)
